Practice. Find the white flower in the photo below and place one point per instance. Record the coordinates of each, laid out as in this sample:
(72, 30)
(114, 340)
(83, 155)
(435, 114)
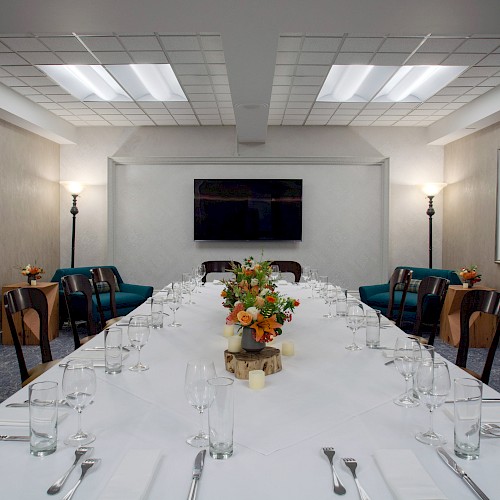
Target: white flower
(254, 282)
(254, 312)
(264, 292)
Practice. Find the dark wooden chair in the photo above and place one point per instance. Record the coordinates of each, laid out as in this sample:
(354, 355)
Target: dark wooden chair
(105, 275)
(487, 302)
(431, 293)
(18, 301)
(289, 266)
(395, 309)
(218, 266)
(77, 288)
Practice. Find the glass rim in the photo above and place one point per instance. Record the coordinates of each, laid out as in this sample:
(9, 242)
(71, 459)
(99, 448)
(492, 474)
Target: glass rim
(221, 381)
(50, 384)
(468, 382)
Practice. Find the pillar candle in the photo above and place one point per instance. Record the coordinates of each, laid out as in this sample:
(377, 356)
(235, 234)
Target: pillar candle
(228, 330)
(287, 348)
(234, 343)
(256, 379)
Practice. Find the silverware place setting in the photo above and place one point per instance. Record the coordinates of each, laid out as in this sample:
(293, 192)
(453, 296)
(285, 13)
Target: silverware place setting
(13, 438)
(490, 430)
(87, 464)
(79, 454)
(338, 487)
(352, 464)
(199, 461)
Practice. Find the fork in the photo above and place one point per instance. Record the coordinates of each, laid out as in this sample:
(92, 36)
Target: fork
(490, 430)
(351, 465)
(338, 487)
(79, 453)
(86, 465)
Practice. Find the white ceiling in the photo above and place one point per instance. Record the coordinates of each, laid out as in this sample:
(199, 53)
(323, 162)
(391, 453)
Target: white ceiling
(251, 65)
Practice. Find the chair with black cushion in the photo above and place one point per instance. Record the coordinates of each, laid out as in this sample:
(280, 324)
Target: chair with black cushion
(19, 301)
(431, 293)
(218, 266)
(105, 284)
(78, 295)
(289, 266)
(398, 288)
(486, 302)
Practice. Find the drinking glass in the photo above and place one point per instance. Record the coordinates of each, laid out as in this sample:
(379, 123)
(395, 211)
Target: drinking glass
(221, 418)
(355, 317)
(373, 328)
(138, 334)
(330, 294)
(313, 279)
(157, 312)
(199, 273)
(275, 273)
(174, 301)
(188, 286)
(306, 272)
(407, 356)
(433, 385)
(198, 394)
(43, 417)
(79, 386)
(341, 301)
(427, 352)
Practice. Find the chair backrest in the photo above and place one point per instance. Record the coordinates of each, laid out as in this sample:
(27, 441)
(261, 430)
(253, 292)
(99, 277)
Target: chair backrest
(218, 266)
(487, 302)
(19, 300)
(78, 284)
(431, 288)
(105, 275)
(399, 276)
(289, 266)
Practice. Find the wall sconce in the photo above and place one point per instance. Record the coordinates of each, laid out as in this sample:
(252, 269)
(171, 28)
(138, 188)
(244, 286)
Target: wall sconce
(74, 189)
(430, 190)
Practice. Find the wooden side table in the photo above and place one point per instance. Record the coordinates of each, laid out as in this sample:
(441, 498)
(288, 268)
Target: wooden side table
(31, 321)
(482, 326)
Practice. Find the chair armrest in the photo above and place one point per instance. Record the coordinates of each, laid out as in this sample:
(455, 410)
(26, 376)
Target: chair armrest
(143, 291)
(365, 292)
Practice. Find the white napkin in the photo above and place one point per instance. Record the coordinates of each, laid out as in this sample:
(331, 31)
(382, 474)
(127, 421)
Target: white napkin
(282, 282)
(489, 414)
(20, 417)
(133, 477)
(217, 282)
(406, 477)
(388, 353)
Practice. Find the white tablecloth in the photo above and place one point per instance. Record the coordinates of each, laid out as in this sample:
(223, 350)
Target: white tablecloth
(324, 396)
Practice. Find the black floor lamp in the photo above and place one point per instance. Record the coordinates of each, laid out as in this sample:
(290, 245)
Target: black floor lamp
(431, 190)
(74, 188)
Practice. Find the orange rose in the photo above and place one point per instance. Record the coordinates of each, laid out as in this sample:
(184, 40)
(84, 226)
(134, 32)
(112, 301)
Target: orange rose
(296, 303)
(271, 299)
(223, 293)
(259, 302)
(244, 318)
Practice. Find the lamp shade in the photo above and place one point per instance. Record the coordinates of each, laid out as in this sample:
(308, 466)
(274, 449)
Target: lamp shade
(73, 187)
(433, 188)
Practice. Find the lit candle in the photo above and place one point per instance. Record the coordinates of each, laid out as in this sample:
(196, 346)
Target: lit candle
(256, 379)
(287, 348)
(228, 330)
(234, 343)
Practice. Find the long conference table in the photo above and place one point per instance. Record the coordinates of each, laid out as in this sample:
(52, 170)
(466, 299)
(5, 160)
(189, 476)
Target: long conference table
(324, 396)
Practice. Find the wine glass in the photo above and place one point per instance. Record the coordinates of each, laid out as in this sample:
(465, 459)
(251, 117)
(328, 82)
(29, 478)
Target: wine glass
(407, 356)
(355, 317)
(138, 334)
(79, 386)
(188, 286)
(330, 294)
(313, 279)
(174, 301)
(306, 272)
(433, 385)
(275, 273)
(200, 271)
(198, 394)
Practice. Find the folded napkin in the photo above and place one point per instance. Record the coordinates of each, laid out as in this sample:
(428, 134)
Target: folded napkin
(20, 417)
(96, 356)
(489, 414)
(406, 477)
(133, 477)
(388, 353)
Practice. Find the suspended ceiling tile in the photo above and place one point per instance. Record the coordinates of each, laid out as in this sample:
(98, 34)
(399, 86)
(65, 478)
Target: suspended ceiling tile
(463, 59)
(321, 44)
(361, 44)
(77, 57)
(491, 60)
(353, 58)
(440, 44)
(149, 57)
(422, 59)
(388, 59)
(28, 44)
(185, 57)
(23, 70)
(479, 45)
(211, 42)
(102, 43)
(289, 43)
(63, 43)
(400, 44)
(188, 42)
(113, 57)
(8, 58)
(140, 42)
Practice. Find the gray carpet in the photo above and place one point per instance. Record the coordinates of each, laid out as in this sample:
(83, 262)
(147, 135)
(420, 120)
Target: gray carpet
(64, 345)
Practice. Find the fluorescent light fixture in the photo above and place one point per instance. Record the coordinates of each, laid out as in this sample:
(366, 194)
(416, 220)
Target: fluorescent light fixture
(148, 82)
(417, 83)
(86, 82)
(365, 83)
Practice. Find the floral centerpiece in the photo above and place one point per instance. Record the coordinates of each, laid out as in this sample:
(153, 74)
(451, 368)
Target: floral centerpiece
(470, 275)
(254, 303)
(32, 272)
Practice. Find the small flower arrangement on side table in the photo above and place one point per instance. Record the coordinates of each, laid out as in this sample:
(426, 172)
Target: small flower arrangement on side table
(254, 303)
(32, 272)
(470, 275)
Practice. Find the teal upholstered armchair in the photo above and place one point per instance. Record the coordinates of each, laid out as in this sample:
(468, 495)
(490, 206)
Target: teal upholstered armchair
(127, 299)
(377, 296)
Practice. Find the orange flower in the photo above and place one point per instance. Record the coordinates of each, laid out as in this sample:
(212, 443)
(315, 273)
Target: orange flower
(271, 299)
(296, 303)
(244, 318)
(259, 302)
(254, 290)
(265, 325)
(223, 293)
(248, 272)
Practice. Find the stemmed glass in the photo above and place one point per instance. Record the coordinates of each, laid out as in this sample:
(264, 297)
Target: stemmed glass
(330, 294)
(355, 317)
(199, 272)
(79, 386)
(275, 273)
(306, 273)
(138, 334)
(433, 385)
(198, 394)
(174, 301)
(407, 356)
(313, 279)
(188, 285)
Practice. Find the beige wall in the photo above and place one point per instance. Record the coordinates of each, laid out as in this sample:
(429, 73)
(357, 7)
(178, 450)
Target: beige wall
(29, 203)
(470, 203)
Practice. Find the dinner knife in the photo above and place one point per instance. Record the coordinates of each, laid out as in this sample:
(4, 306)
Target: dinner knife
(445, 456)
(14, 438)
(197, 468)
(484, 400)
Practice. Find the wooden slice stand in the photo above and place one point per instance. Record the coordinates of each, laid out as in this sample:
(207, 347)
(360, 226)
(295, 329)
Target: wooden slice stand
(240, 363)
